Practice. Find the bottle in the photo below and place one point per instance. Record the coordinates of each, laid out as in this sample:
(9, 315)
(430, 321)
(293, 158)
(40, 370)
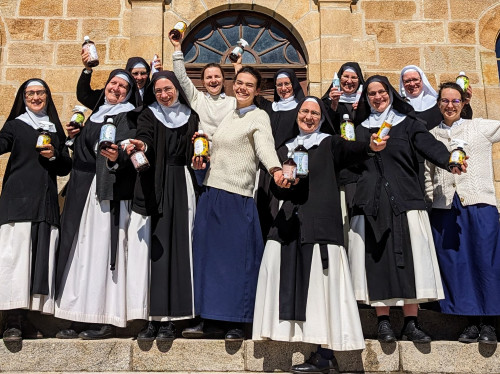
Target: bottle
(139, 160)
(358, 93)
(385, 128)
(301, 158)
(153, 69)
(242, 44)
(78, 117)
(201, 145)
(336, 81)
(89, 46)
(178, 29)
(463, 81)
(347, 128)
(457, 156)
(108, 134)
(290, 168)
(43, 140)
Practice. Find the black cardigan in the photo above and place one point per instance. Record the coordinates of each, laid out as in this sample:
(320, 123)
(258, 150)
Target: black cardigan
(84, 93)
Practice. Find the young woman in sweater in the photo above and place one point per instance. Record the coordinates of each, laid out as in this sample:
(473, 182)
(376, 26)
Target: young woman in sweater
(227, 241)
(464, 220)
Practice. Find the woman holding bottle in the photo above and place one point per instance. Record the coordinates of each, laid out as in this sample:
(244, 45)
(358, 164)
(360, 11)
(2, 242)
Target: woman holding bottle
(464, 219)
(91, 274)
(392, 256)
(29, 212)
(304, 291)
(227, 241)
(166, 193)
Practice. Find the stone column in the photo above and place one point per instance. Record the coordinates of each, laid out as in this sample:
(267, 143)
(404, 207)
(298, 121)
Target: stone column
(146, 28)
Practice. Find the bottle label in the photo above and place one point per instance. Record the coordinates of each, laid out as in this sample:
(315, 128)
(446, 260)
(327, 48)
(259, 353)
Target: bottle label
(92, 50)
(336, 82)
(42, 140)
(290, 172)
(457, 157)
(181, 26)
(463, 82)
(237, 50)
(302, 161)
(78, 118)
(108, 134)
(384, 132)
(347, 130)
(200, 147)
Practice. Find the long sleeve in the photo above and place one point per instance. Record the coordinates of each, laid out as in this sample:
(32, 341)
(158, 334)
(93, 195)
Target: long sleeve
(430, 148)
(180, 72)
(429, 177)
(489, 128)
(347, 153)
(6, 138)
(63, 162)
(264, 142)
(84, 93)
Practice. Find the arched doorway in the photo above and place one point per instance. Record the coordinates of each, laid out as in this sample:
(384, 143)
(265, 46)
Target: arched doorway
(271, 47)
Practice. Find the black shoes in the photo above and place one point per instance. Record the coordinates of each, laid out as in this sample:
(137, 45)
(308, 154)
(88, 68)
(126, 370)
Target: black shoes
(203, 330)
(316, 364)
(105, 332)
(148, 334)
(162, 332)
(385, 334)
(486, 336)
(166, 332)
(235, 335)
(13, 331)
(469, 335)
(67, 334)
(12, 334)
(413, 332)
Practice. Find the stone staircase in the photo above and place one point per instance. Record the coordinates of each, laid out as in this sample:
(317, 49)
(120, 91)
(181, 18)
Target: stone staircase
(123, 354)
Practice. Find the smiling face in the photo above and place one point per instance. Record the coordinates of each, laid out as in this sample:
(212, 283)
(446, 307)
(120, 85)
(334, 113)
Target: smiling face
(412, 82)
(284, 87)
(245, 89)
(378, 97)
(309, 117)
(349, 82)
(116, 90)
(140, 75)
(35, 98)
(213, 80)
(450, 105)
(165, 92)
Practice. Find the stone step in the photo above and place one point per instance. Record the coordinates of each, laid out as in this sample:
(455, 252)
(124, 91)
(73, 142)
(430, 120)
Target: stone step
(212, 356)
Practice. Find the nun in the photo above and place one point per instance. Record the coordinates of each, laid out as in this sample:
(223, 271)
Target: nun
(165, 195)
(304, 290)
(29, 212)
(391, 252)
(91, 272)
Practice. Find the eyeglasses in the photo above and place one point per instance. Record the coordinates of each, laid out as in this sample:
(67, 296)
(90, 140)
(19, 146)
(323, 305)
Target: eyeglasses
(454, 102)
(31, 94)
(141, 73)
(412, 80)
(346, 78)
(167, 90)
(285, 84)
(313, 113)
(374, 93)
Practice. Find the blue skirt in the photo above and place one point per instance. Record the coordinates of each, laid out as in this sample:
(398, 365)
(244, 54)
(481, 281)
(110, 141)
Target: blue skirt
(227, 252)
(467, 243)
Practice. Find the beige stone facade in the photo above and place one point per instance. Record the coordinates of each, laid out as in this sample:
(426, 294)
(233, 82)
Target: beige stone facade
(43, 38)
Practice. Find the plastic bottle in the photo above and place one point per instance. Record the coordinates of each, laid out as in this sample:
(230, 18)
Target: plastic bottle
(347, 128)
(457, 156)
(463, 81)
(78, 117)
(139, 160)
(201, 145)
(358, 93)
(385, 128)
(153, 69)
(242, 43)
(336, 81)
(108, 134)
(301, 158)
(89, 46)
(178, 29)
(290, 168)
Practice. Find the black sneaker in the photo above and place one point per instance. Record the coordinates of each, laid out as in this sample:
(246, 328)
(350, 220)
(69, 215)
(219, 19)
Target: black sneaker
(166, 332)
(316, 364)
(385, 333)
(413, 332)
(469, 335)
(148, 333)
(486, 336)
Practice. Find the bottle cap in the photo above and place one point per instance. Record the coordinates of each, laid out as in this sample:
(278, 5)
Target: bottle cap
(346, 117)
(290, 153)
(109, 120)
(200, 132)
(79, 108)
(461, 73)
(86, 38)
(243, 43)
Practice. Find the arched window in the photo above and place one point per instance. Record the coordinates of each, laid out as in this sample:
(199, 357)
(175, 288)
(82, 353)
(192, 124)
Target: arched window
(271, 46)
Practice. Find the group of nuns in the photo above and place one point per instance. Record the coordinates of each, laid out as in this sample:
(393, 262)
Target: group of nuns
(191, 238)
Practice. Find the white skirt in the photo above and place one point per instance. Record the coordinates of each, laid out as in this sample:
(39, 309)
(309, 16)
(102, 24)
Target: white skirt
(332, 317)
(90, 291)
(427, 277)
(15, 269)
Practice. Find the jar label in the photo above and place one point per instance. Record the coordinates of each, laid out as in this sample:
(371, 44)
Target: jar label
(42, 140)
(108, 134)
(77, 118)
(200, 147)
(290, 172)
(302, 161)
(457, 156)
(347, 130)
(463, 82)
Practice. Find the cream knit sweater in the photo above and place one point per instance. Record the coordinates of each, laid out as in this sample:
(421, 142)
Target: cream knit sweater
(211, 109)
(241, 140)
(476, 186)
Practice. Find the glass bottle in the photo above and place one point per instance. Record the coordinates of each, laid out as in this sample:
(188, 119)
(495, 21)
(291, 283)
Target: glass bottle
(242, 44)
(89, 46)
(290, 168)
(108, 134)
(78, 117)
(301, 158)
(43, 140)
(139, 160)
(201, 148)
(178, 29)
(457, 156)
(463, 81)
(385, 128)
(347, 128)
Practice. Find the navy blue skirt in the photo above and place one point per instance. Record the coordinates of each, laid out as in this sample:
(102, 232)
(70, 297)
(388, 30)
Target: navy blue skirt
(467, 243)
(227, 252)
